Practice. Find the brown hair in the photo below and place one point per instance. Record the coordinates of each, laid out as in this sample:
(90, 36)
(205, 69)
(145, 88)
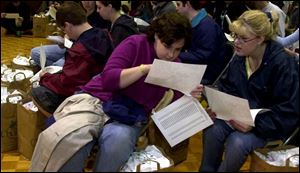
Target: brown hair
(71, 12)
(170, 27)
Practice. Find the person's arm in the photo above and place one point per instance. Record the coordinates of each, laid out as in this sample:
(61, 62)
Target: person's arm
(76, 71)
(288, 40)
(119, 71)
(131, 75)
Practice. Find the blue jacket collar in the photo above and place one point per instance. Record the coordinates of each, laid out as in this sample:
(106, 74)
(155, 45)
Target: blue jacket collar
(197, 19)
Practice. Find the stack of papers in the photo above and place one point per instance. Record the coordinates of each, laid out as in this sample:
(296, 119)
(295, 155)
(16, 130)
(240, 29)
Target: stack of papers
(184, 117)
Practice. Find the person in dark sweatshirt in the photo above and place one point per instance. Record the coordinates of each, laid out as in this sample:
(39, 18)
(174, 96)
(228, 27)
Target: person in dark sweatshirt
(263, 73)
(85, 59)
(208, 41)
(122, 25)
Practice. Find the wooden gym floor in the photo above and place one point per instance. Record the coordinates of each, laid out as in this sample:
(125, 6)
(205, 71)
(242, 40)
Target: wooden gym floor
(12, 161)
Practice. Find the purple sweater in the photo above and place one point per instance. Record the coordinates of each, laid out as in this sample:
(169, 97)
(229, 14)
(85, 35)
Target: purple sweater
(132, 52)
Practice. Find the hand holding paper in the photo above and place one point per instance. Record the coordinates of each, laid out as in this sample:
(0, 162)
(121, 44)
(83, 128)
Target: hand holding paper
(68, 43)
(229, 107)
(48, 69)
(179, 76)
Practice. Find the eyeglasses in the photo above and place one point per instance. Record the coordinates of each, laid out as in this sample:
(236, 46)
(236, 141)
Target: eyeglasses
(240, 39)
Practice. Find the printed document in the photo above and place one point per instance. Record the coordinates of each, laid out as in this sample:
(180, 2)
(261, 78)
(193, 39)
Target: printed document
(229, 107)
(181, 119)
(175, 75)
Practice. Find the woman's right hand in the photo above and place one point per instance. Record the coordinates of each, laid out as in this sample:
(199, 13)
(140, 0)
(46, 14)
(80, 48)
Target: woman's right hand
(145, 68)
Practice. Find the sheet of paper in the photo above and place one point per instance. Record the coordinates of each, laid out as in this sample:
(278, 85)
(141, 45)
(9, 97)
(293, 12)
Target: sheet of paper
(181, 119)
(229, 37)
(52, 12)
(179, 76)
(56, 39)
(12, 15)
(42, 57)
(228, 107)
(68, 43)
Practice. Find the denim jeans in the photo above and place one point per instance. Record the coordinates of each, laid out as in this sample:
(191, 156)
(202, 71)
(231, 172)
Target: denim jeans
(219, 138)
(54, 55)
(116, 143)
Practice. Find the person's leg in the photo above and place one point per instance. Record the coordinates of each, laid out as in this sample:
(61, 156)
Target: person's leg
(213, 145)
(116, 142)
(53, 54)
(59, 62)
(238, 146)
(77, 162)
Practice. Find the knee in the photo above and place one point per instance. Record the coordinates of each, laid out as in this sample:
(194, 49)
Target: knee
(120, 134)
(215, 130)
(238, 145)
(35, 54)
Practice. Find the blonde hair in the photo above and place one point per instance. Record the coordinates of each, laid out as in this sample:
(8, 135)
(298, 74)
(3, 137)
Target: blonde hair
(257, 22)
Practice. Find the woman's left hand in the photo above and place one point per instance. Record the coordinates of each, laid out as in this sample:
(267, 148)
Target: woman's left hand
(240, 126)
(197, 92)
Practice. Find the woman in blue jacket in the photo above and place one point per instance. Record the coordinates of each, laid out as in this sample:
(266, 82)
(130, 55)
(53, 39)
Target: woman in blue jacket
(264, 74)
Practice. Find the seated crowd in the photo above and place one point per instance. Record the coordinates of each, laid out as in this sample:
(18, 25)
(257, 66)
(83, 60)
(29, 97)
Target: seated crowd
(111, 57)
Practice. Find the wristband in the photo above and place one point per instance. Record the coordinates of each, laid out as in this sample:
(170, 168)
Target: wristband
(142, 68)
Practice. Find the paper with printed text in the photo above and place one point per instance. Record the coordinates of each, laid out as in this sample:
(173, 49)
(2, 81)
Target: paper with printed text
(181, 119)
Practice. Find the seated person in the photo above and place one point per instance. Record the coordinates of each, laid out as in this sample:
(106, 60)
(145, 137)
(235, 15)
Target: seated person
(122, 77)
(264, 74)
(56, 53)
(94, 18)
(208, 41)
(159, 8)
(22, 23)
(122, 25)
(84, 59)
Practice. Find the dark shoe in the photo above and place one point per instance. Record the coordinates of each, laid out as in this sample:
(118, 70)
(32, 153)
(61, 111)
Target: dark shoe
(46, 100)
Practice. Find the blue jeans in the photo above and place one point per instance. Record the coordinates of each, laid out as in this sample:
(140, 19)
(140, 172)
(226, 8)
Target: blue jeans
(116, 143)
(54, 55)
(236, 146)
